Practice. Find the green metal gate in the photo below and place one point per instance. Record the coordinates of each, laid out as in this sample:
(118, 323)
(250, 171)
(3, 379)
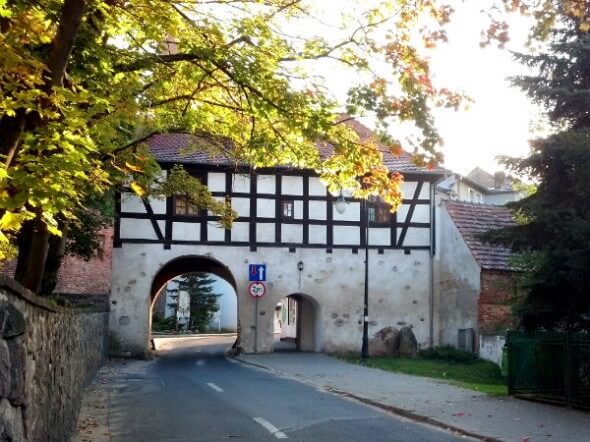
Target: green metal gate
(550, 367)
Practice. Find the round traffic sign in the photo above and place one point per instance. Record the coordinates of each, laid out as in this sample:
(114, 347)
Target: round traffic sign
(257, 289)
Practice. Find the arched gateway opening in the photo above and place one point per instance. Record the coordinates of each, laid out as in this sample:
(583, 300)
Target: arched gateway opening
(182, 289)
(297, 324)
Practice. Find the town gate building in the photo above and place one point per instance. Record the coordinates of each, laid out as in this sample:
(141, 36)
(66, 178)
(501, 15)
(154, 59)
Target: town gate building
(287, 221)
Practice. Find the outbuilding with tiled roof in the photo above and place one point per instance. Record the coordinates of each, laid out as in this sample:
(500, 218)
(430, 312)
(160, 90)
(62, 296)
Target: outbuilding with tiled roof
(476, 281)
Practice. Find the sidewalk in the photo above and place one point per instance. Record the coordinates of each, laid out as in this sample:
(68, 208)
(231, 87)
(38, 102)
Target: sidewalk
(432, 401)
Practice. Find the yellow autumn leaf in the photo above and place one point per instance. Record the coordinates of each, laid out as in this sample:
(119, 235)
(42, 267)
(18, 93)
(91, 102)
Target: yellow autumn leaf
(11, 221)
(137, 188)
(585, 26)
(133, 168)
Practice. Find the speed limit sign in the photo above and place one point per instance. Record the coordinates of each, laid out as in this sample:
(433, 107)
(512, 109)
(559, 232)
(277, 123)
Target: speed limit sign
(257, 289)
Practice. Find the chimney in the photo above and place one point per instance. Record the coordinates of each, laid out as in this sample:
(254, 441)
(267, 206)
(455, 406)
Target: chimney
(499, 180)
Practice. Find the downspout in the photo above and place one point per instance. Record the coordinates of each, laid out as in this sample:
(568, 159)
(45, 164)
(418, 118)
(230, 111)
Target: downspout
(432, 253)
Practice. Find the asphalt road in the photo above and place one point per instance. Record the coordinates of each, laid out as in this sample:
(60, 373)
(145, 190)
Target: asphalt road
(193, 393)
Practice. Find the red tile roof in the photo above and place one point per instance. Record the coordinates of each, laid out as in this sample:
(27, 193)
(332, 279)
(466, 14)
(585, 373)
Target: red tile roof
(190, 149)
(474, 219)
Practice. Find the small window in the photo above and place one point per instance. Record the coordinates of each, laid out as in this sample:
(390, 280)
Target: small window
(182, 206)
(378, 211)
(288, 209)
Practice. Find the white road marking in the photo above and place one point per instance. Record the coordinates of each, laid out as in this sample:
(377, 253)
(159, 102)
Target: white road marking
(163, 383)
(271, 428)
(200, 363)
(215, 387)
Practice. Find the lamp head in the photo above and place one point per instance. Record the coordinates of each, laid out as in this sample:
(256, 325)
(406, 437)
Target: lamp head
(340, 204)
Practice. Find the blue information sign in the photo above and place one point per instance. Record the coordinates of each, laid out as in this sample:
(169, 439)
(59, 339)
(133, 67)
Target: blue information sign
(257, 272)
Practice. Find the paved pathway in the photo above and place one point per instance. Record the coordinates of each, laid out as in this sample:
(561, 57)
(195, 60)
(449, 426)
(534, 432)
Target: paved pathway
(505, 419)
(192, 392)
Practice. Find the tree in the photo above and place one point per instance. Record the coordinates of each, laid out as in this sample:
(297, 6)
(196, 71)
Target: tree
(203, 300)
(84, 82)
(553, 234)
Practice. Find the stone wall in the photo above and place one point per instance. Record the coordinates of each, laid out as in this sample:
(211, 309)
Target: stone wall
(47, 355)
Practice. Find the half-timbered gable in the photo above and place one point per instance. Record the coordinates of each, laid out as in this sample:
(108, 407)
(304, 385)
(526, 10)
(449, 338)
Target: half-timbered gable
(287, 220)
(278, 207)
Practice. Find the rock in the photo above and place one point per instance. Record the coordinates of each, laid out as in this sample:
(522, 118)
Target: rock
(5, 376)
(385, 342)
(408, 345)
(11, 422)
(11, 320)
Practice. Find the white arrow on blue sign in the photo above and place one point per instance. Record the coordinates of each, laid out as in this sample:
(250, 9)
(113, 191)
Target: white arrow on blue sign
(257, 272)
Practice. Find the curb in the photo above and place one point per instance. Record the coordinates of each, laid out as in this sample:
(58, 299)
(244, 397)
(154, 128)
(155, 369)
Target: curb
(389, 408)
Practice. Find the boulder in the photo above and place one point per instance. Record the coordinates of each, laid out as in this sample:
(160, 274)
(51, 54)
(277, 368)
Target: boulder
(408, 345)
(385, 342)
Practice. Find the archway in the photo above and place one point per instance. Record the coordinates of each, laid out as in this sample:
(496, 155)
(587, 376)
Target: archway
(181, 282)
(297, 324)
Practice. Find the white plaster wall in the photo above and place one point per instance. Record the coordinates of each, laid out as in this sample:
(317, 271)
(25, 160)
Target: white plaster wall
(458, 282)
(317, 210)
(131, 203)
(292, 233)
(292, 185)
(346, 235)
(265, 208)
(265, 184)
(265, 232)
(240, 232)
(241, 183)
(499, 199)
(317, 234)
(241, 206)
(352, 213)
(380, 236)
(316, 187)
(490, 348)
(216, 181)
(215, 233)
(421, 213)
(186, 231)
(415, 236)
(398, 292)
(139, 228)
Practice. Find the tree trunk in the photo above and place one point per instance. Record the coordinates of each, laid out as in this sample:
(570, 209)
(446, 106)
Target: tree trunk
(32, 252)
(55, 254)
(33, 239)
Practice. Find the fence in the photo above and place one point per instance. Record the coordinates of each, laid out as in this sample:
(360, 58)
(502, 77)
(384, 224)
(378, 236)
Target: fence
(550, 367)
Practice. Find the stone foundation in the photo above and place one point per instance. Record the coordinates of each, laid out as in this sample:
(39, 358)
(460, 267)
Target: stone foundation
(47, 355)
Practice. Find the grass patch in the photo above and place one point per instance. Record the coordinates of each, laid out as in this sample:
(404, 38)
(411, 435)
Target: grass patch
(478, 375)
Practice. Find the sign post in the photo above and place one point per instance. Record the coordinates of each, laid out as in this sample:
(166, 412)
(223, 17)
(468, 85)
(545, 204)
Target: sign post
(256, 289)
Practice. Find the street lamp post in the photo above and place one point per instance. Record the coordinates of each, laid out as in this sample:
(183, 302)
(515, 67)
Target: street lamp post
(340, 205)
(365, 347)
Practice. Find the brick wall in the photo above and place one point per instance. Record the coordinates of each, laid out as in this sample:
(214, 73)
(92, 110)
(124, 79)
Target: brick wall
(496, 292)
(77, 276)
(88, 277)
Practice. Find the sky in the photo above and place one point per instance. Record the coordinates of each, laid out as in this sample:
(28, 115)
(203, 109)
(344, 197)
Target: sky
(498, 121)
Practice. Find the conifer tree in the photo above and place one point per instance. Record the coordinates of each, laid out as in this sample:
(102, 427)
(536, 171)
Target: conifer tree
(553, 233)
(202, 298)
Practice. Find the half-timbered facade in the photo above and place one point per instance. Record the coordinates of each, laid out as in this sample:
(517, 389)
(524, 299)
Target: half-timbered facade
(288, 221)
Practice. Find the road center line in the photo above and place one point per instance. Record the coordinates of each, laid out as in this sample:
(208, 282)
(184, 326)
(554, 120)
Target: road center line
(271, 428)
(200, 363)
(215, 387)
